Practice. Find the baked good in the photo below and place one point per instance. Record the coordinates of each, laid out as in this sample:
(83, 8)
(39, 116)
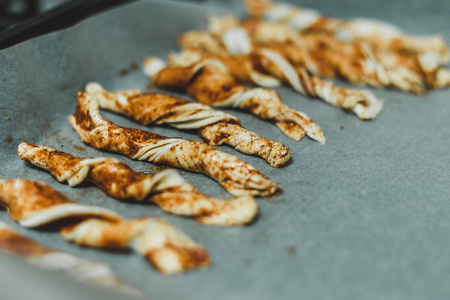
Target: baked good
(246, 68)
(379, 35)
(236, 176)
(214, 127)
(83, 270)
(33, 204)
(166, 188)
(210, 83)
(327, 56)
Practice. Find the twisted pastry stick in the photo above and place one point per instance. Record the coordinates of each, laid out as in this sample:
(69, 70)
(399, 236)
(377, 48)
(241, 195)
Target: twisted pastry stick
(362, 103)
(326, 56)
(214, 127)
(82, 270)
(378, 34)
(33, 204)
(166, 188)
(210, 83)
(424, 66)
(236, 176)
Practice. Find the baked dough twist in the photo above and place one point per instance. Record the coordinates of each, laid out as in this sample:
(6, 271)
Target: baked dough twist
(210, 83)
(326, 56)
(214, 127)
(79, 269)
(166, 188)
(247, 67)
(236, 176)
(379, 35)
(34, 204)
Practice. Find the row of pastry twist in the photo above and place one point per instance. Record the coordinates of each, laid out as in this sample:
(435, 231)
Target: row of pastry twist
(360, 50)
(33, 204)
(277, 45)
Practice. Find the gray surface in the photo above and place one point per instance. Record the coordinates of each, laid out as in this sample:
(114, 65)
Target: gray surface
(367, 213)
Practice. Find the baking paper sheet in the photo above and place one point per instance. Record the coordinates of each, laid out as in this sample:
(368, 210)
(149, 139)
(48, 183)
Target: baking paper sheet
(365, 216)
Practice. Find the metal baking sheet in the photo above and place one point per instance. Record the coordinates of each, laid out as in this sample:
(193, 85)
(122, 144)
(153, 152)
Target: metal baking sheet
(365, 216)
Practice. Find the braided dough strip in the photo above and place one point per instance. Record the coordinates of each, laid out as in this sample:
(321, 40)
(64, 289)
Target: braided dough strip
(166, 188)
(91, 272)
(236, 176)
(326, 56)
(245, 67)
(34, 204)
(214, 127)
(210, 83)
(378, 34)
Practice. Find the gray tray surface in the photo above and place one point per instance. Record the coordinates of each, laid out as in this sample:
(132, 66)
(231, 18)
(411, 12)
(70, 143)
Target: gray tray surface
(365, 216)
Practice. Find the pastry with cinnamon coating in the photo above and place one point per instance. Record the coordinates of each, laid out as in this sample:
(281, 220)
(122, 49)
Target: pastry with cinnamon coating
(33, 204)
(210, 83)
(214, 127)
(248, 66)
(236, 176)
(379, 35)
(91, 272)
(326, 56)
(166, 188)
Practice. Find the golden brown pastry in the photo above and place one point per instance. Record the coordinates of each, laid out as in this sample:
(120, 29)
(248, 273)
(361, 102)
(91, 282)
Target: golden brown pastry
(210, 83)
(236, 176)
(33, 204)
(86, 271)
(247, 68)
(214, 127)
(166, 188)
(379, 35)
(326, 56)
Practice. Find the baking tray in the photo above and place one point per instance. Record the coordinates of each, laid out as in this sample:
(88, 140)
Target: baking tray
(364, 216)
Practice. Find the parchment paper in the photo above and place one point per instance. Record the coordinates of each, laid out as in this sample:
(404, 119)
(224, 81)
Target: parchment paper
(365, 216)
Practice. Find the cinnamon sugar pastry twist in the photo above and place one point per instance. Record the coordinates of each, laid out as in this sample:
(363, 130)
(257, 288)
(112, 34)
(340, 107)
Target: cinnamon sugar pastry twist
(166, 188)
(326, 56)
(379, 35)
(246, 67)
(236, 176)
(214, 127)
(91, 272)
(209, 82)
(34, 204)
